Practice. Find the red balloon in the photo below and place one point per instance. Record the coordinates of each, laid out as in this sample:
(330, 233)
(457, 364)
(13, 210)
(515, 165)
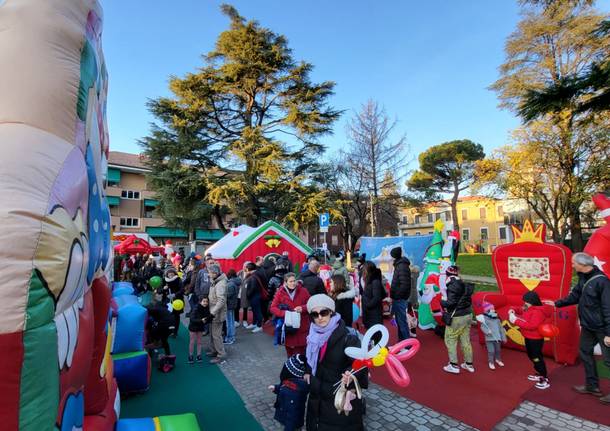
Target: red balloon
(548, 330)
(361, 363)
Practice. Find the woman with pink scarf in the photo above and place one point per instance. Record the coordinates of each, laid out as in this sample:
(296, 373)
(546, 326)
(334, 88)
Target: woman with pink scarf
(327, 365)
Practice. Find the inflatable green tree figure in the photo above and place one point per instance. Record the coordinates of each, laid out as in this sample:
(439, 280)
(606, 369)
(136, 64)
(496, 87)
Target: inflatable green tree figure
(428, 281)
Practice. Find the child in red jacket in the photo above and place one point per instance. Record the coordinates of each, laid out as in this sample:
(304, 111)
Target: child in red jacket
(533, 316)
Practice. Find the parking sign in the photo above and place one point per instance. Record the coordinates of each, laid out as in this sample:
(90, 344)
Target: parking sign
(324, 220)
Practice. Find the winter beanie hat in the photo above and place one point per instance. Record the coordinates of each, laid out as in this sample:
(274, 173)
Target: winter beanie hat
(452, 270)
(532, 298)
(321, 300)
(170, 275)
(396, 252)
(296, 365)
(487, 306)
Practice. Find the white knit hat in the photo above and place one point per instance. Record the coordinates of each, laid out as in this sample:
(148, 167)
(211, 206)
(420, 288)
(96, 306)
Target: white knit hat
(321, 300)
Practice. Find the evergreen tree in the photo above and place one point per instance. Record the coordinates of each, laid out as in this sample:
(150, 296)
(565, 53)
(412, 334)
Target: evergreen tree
(554, 42)
(228, 122)
(446, 169)
(585, 92)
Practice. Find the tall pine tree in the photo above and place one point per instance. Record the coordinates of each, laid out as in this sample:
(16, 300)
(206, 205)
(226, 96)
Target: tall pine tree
(248, 122)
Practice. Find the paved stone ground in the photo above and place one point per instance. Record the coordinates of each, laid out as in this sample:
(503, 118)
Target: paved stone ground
(254, 363)
(532, 416)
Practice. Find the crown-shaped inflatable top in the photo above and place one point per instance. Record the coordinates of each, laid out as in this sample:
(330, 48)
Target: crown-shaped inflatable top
(528, 234)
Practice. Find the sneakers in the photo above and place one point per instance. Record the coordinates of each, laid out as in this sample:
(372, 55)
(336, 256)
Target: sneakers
(217, 360)
(251, 326)
(543, 383)
(499, 362)
(191, 361)
(257, 329)
(492, 366)
(588, 390)
(237, 324)
(227, 341)
(244, 324)
(199, 359)
(450, 368)
(468, 367)
(533, 377)
(606, 399)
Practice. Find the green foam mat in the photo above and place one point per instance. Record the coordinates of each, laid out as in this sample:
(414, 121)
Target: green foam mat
(199, 388)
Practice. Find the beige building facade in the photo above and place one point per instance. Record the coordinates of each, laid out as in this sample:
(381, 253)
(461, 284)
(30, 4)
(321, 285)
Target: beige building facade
(133, 203)
(484, 222)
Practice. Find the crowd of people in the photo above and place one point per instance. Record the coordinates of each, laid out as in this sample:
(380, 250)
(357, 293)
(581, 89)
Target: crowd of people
(315, 321)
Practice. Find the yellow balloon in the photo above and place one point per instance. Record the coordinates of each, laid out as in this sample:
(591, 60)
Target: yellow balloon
(379, 360)
(178, 304)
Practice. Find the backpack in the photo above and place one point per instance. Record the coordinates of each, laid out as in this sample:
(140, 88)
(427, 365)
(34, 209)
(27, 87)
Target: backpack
(166, 363)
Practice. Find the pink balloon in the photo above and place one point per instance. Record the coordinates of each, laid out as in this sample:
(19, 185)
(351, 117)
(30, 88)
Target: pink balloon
(412, 344)
(397, 371)
(393, 362)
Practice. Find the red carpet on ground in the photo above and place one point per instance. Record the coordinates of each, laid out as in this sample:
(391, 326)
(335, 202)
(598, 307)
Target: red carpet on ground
(560, 395)
(480, 399)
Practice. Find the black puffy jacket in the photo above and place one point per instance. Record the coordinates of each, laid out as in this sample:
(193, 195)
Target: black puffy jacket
(312, 283)
(233, 286)
(372, 297)
(459, 297)
(593, 301)
(321, 413)
(400, 288)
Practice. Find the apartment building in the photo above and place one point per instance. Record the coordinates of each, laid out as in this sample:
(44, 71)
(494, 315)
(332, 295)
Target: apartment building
(420, 221)
(133, 204)
(484, 222)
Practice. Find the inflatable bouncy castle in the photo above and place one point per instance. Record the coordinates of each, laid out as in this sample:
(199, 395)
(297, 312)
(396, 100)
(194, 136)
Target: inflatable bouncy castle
(54, 219)
(531, 264)
(131, 361)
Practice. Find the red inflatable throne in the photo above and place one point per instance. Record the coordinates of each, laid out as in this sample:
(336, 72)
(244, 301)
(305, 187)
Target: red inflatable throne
(531, 264)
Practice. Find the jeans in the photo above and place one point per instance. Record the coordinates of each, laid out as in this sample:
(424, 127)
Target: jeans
(255, 304)
(399, 309)
(534, 352)
(230, 325)
(588, 340)
(494, 349)
(459, 330)
(265, 312)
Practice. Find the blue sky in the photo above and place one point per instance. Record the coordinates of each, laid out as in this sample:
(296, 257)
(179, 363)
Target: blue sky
(428, 62)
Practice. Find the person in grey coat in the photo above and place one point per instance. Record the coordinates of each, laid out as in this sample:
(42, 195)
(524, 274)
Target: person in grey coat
(218, 312)
(495, 334)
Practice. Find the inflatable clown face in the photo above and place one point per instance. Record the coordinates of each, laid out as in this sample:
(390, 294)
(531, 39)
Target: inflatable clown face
(53, 212)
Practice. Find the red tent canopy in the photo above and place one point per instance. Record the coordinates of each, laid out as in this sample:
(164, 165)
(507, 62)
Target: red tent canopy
(133, 244)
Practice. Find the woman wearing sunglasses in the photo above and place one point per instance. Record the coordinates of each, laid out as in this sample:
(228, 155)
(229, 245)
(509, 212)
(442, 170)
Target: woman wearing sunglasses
(328, 364)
